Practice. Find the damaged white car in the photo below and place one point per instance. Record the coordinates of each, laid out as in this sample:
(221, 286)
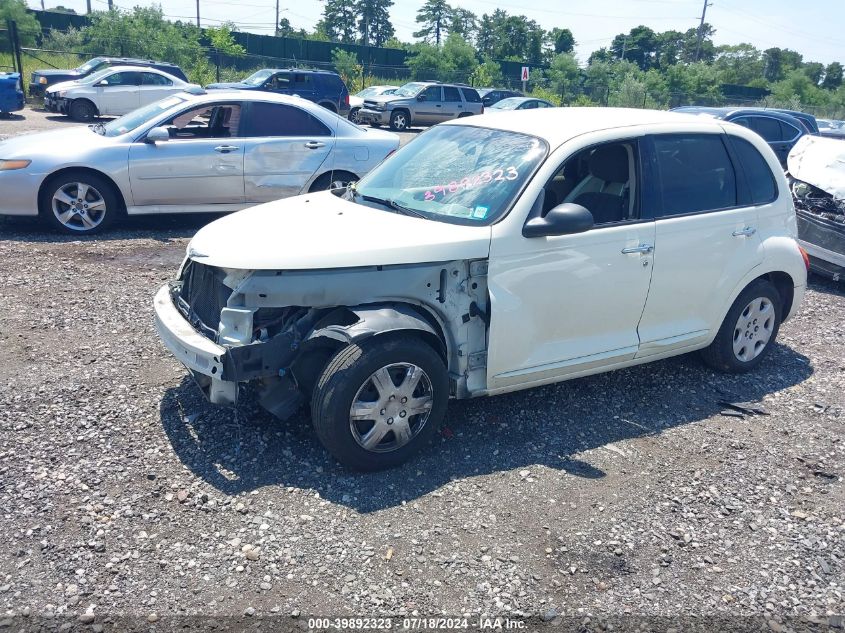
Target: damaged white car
(817, 177)
(491, 255)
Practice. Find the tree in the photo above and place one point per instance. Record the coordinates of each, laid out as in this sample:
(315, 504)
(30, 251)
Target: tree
(779, 62)
(463, 22)
(374, 21)
(434, 17)
(459, 58)
(562, 40)
(28, 26)
(222, 41)
(426, 62)
(488, 73)
(740, 64)
(832, 76)
(638, 46)
(285, 28)
(61, 9)
(338, 22)
(564, 76)
(347, 66)
(814, 70)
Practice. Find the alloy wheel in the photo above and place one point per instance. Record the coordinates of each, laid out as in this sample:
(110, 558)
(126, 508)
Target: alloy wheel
(79, 206)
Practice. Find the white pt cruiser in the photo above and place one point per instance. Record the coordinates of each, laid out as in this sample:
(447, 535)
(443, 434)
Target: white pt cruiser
(488, 255)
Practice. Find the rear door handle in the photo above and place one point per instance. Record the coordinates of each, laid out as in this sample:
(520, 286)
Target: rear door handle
(643, 249)
(314, 145)
(225, 149)
(745, 232)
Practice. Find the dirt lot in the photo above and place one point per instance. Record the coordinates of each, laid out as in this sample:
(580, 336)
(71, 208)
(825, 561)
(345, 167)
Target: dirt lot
(127, 501)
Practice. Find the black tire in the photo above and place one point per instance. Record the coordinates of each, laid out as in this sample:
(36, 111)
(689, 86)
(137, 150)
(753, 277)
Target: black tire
(349, 372)
(721, 353)
(338, 178)
(353, 115)
(400, 120)
(82, 110)
(464, 115)
(99, 188)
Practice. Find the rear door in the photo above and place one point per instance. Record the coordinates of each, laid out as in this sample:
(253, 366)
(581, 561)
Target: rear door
(453, 105)
(779, 135)
(154, 87)
(285, 146)
(119, 94)
(706, 240)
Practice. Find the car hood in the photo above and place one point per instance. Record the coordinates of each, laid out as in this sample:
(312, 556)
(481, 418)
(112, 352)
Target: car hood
(232, 84)
(53, 143)
(355, 102)
(57, 74)
(388, 98)
(320, 230)
(820, 162)
(64, 85)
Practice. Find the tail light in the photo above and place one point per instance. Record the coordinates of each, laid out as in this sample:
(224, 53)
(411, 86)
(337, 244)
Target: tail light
(805, 257)
(346, 98)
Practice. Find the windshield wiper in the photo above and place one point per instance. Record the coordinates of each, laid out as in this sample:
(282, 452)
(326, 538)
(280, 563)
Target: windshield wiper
(99, 128)
(391, 204)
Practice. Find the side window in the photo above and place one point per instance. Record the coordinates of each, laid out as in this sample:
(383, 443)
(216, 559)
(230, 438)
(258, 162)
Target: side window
(432, 93)
(151, 79)
(450, 93)
(760, 180)
(303, 81)
(789, 132)
(220, 121)
(743, 122)
(696, 173)
(602, 179)
(529, 105)
(279, 81)
(768, 128)
(124, 79)
(275, 119)
(543, 104)
(471, 95)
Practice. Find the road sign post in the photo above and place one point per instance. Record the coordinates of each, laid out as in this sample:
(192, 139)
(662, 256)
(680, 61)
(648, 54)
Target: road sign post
(524, 77)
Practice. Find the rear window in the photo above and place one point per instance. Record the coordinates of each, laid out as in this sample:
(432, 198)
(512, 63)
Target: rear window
(471, 95)
(696, 173)
(761, 182)
(769, 128)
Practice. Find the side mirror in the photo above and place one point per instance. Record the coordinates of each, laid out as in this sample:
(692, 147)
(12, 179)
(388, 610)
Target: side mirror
(564, 219)
(420, 97)
(103, 82)
(157, 135)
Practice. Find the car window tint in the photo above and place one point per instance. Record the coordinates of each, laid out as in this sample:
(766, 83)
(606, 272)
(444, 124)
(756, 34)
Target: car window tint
(760, 179)
(543, 104)
(788, 132)
(471, 95)
(529, 105)
(743, 122)
(302, 81)
(123, 79)
(450, 93)
(151, 79)
(276, 119)
(221, 121)
(696, 173)
(432, 93)
(279, 81)
(767, 127)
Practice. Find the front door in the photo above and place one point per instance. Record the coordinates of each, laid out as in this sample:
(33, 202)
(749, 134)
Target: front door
(430, 109)
(706, 242)
(567, 304)
(285, 147)
(201, 164)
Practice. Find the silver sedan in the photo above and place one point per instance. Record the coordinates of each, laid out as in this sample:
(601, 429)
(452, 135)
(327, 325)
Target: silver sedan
(187, 153)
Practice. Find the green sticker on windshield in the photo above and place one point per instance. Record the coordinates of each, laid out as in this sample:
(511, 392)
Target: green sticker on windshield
(479, 213)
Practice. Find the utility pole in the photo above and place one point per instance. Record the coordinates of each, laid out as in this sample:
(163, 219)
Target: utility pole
(111, 5)
(42, 6)
(89, 7)
(701, 29)
(198, 13)
(277, 18)
(624, 47)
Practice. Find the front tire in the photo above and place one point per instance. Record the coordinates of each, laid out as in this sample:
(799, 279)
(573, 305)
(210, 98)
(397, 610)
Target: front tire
(79, 203)
(82, 110)
(749, 330)
(379, 402)
(400, 121)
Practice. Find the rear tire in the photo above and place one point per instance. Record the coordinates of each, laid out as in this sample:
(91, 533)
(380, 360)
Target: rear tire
(82, 110)
(353, 115)
(332, 180)
(379, 402)
(749, 330)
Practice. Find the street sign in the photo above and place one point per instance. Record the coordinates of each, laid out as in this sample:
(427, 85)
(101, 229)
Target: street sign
(525, 73)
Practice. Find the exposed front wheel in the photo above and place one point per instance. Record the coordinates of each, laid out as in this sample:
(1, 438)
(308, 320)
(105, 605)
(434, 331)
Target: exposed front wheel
(399, 121)
(748, 331)
(78, 203)
(378, 403)
(82, 110)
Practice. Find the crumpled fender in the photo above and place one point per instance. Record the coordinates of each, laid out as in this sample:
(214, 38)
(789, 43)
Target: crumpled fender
(376, 320)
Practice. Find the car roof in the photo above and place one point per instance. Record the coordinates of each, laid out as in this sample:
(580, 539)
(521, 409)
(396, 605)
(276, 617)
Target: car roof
(725, 112)
(137, 61)
(298, 70)
(138, 69)
(228, 94)
(558, 125)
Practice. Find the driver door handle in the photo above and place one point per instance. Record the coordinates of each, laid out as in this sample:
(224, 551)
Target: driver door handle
(748, 231)
(642, 249)
(314, 145)
(225, 149)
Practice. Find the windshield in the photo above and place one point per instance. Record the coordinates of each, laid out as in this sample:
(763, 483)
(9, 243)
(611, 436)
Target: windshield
(367, 92)
(95, 77)
(456, 173)
(256, 79)
(90, 65)
(409, 90)
(511, 103)
(137, 118)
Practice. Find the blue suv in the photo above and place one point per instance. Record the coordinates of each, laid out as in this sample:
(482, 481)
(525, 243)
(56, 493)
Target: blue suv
(320, 86)
(11, 95)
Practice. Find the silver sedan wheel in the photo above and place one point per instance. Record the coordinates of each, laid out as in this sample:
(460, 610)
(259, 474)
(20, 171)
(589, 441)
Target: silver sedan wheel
(79, 206)
(391, 407)
(753, 329)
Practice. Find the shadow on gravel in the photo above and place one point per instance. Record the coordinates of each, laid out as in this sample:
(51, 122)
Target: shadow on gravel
(240, 450)
(826, 286)
(163, 228)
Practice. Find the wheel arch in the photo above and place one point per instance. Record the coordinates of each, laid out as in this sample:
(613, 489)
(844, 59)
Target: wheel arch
(331, 173)
(328, 105)
(91, 101)
(42, 189)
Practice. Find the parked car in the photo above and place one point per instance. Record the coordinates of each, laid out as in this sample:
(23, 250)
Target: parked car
(831, 128)
(808, 120)
(114, 91)
(40, 80)
(320, 86)
(520, 103)
(490, 255)
(817, 178)
(489, 96)
(357, 100)
(781, 131)
(214, 152)
(421, 103)
(11, 95)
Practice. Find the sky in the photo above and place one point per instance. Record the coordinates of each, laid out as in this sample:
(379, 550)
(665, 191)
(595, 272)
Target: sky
(813, 28)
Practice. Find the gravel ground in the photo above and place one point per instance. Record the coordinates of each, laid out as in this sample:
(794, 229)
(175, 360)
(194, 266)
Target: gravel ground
(124, 495)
